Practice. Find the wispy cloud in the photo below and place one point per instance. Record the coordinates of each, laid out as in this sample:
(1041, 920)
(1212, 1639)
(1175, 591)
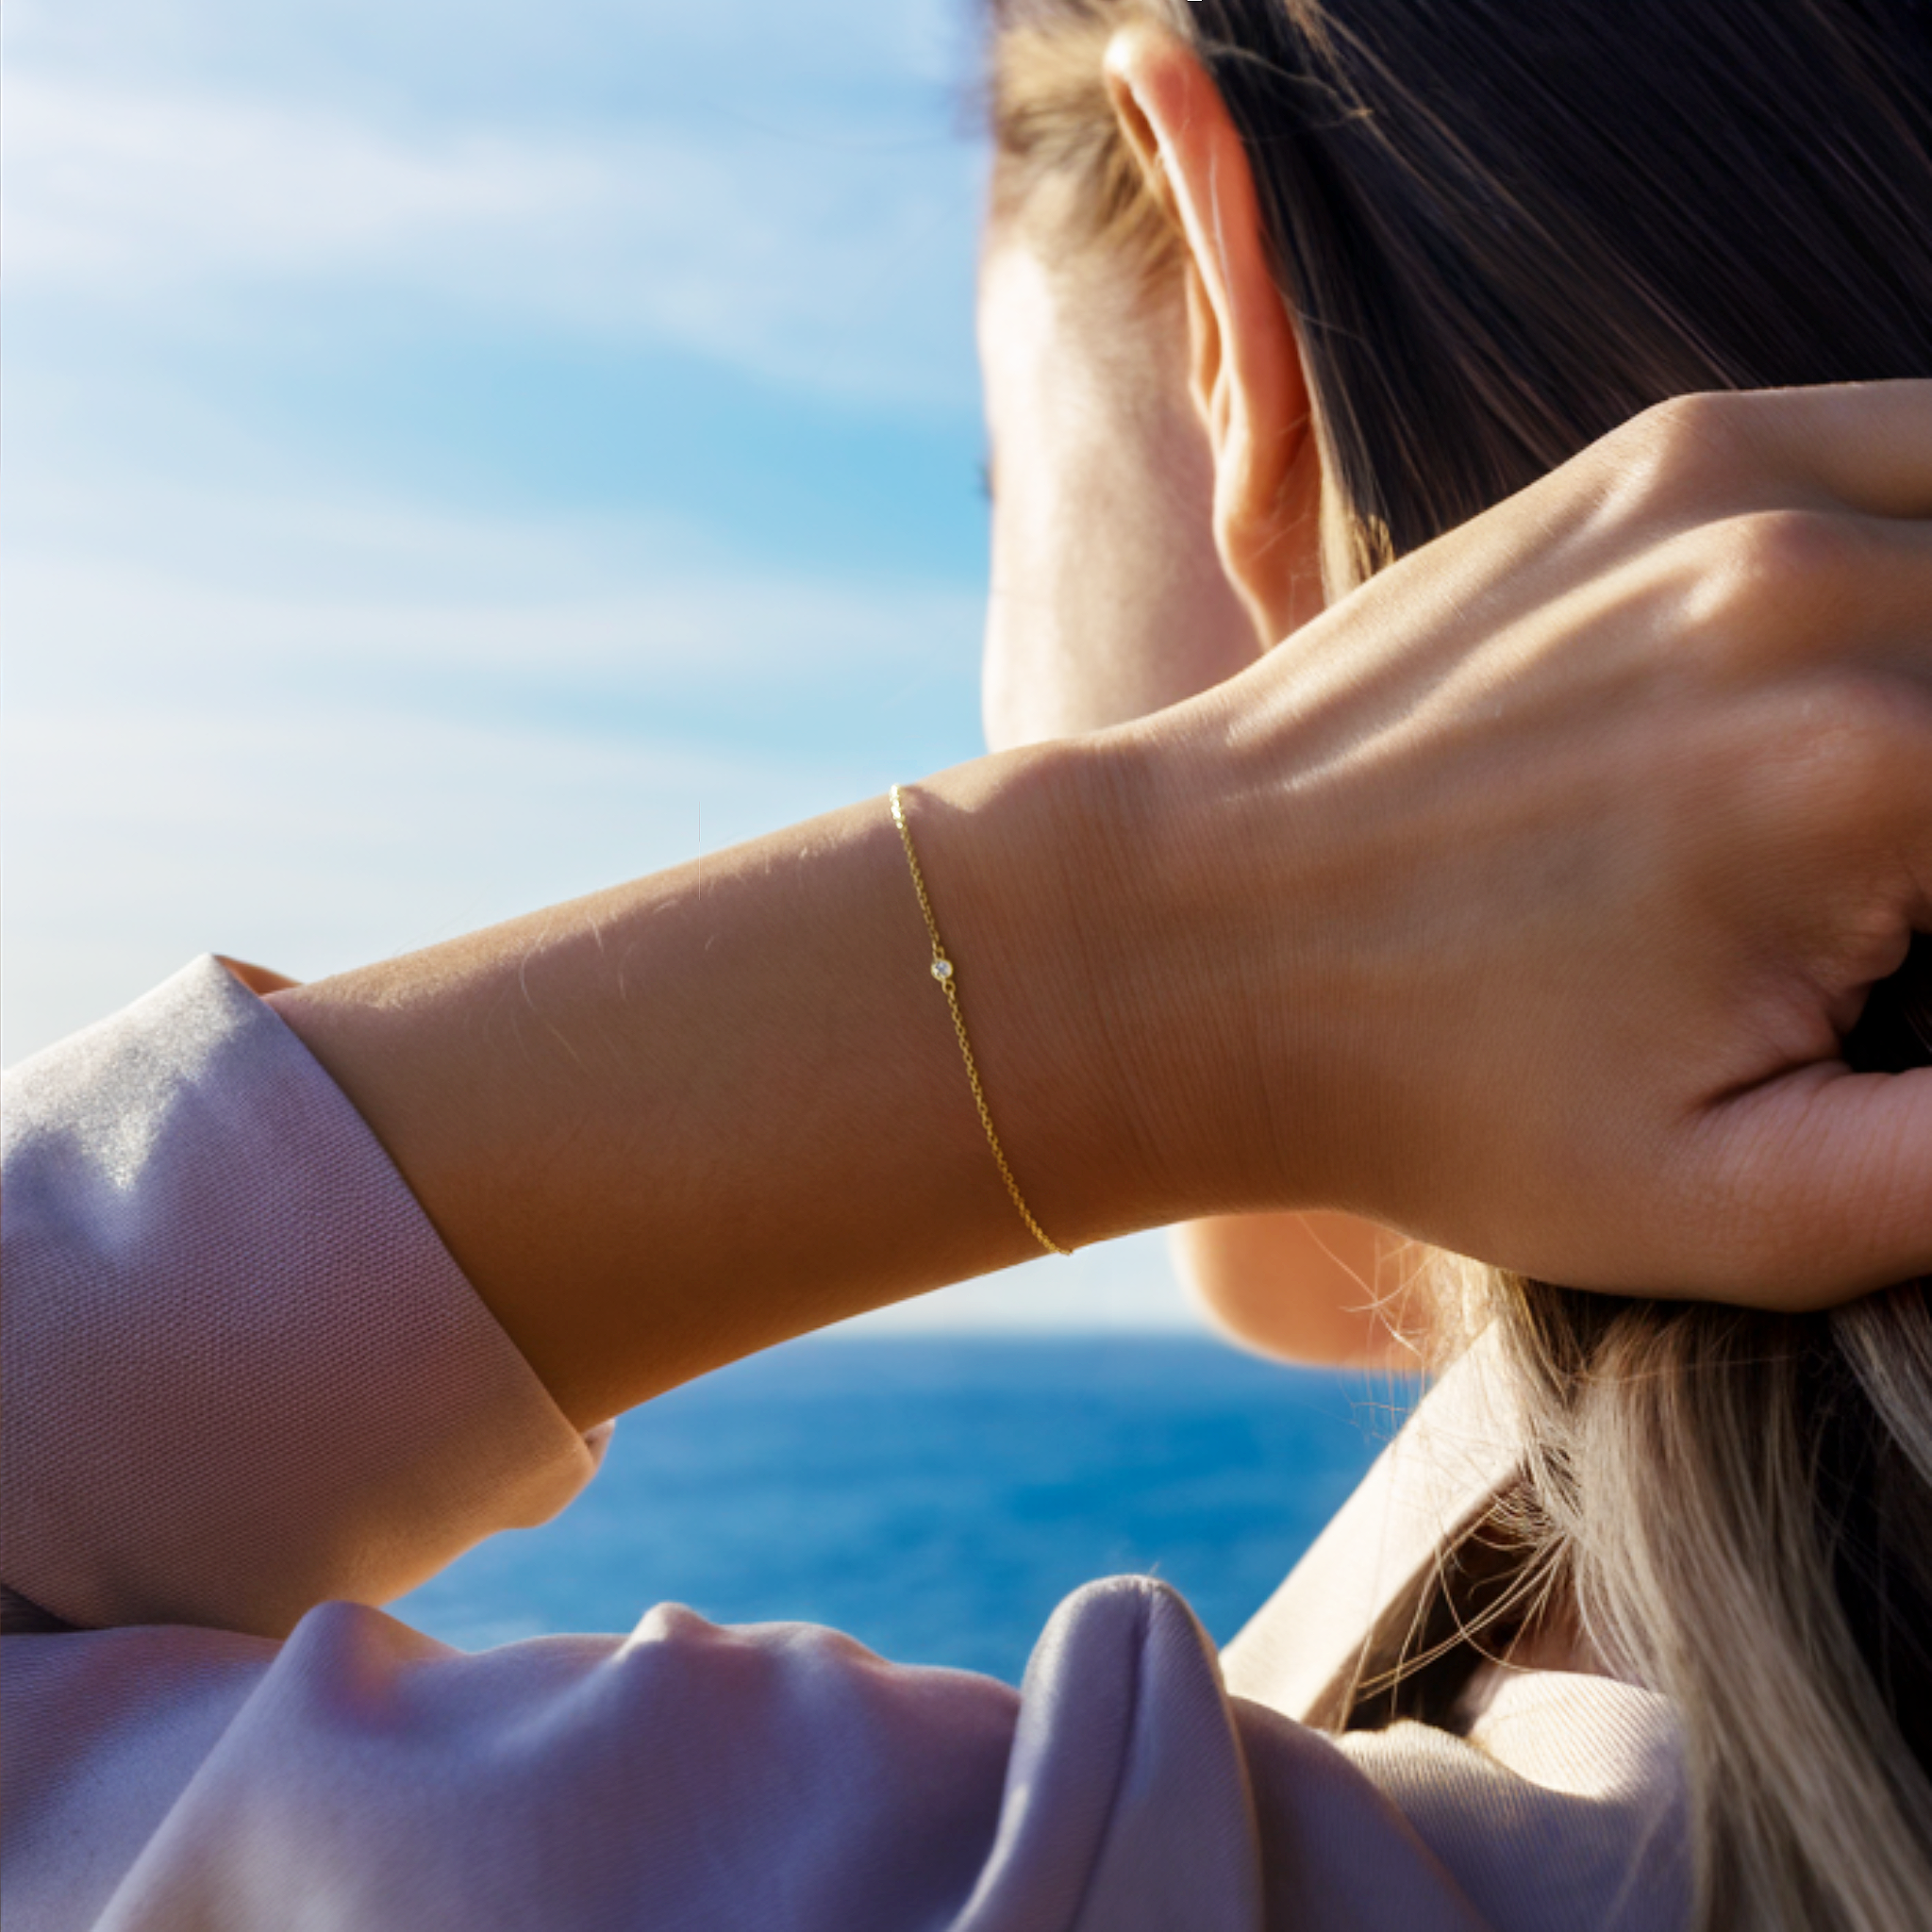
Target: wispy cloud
(840, 268)
(768, 58)
(126, 592)
(316, 836)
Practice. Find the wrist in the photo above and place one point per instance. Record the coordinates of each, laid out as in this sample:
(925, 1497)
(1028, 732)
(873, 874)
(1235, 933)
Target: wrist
(1225, 966)
(1109, 1017)
(1209, 963)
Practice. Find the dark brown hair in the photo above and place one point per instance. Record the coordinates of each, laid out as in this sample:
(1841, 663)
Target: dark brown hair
(1505, 226)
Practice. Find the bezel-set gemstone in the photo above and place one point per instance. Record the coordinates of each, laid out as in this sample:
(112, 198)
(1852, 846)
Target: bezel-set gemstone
(942, 969)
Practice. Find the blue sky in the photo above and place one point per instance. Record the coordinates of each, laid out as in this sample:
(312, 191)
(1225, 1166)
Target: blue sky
(459, 456)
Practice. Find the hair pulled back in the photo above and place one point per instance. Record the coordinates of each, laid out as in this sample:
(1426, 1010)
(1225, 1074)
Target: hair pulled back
(1502, 227)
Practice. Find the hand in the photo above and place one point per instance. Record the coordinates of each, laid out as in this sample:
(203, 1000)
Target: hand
(1520, 901)
(1517, 902)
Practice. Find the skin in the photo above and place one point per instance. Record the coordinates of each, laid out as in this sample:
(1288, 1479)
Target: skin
(1156, 529)
(1515, 903)
(1127, 574)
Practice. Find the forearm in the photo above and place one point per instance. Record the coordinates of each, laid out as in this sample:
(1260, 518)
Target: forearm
(1517, 914)
(684, 1118)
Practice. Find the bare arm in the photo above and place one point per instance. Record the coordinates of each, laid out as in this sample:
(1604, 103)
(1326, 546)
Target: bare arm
(683, 1119)
(1519, 903)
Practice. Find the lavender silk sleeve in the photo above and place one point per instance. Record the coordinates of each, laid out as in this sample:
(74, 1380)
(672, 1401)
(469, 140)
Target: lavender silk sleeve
(242, 1375)
(248, 1397)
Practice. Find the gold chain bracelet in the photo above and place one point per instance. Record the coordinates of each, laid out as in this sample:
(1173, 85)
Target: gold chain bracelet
(943, 970)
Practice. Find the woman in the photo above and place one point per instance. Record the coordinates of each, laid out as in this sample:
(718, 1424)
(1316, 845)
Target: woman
(1499, 234)
(1519, 901)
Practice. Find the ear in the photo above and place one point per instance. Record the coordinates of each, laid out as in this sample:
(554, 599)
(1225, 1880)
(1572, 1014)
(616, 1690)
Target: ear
(1246, 361)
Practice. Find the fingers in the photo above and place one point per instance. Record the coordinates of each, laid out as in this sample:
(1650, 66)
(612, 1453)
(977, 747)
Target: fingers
(1829, 1173)
(1829, 1170)
(1834, 1186)
(1861, 446)
(1868, 445)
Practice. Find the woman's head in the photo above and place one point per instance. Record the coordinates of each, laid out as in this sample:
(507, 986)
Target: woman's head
(1497, 229)
(1362, 267)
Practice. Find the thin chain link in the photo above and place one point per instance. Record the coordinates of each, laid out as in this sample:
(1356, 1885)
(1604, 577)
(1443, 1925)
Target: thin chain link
(946, 974)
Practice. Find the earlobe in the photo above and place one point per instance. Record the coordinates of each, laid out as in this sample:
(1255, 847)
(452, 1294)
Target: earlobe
(1244, 361)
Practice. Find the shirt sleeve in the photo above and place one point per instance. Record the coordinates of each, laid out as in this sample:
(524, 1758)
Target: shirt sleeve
(361, 1778)
(248, 1397)
(242, 1375)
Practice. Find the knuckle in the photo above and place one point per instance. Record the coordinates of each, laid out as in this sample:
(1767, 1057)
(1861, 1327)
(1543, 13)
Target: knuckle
(1784, 553)
(1765, 584)
(1684, 449)
(1787, 565)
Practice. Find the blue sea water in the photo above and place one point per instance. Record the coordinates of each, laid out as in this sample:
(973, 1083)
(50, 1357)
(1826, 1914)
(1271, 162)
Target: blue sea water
(937, 1496)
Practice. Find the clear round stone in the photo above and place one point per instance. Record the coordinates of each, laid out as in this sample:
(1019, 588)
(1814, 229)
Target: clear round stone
(942, 969)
